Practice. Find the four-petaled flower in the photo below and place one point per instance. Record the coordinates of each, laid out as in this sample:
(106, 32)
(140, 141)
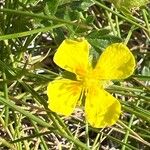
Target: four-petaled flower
(101, 108)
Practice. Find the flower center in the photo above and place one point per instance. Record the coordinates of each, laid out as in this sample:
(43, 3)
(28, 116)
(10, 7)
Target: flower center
(89, 80)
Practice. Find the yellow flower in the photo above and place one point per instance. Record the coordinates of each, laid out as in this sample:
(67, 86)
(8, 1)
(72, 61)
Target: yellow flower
(101, 108)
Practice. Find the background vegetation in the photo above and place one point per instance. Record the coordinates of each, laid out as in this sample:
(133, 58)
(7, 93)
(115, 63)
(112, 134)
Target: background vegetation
(30, 32)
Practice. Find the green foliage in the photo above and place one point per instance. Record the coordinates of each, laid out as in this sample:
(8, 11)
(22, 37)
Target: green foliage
(102, 38)
(30, 32)
(129, 4)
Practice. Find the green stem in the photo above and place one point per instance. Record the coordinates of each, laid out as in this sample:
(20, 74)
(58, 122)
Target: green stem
(139, 114)
(6, 97)
(129, 35)
(7, 144)
(141, 84)
(87, 134)
(26, 33)
(134, 133)
(129, 126)
(111, 22)
(43, 143)
(117, 25)
(44, 17)
(146, 21)
(120, 16)
(24, 112)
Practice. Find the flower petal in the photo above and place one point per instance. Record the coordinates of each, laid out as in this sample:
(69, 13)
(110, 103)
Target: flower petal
(102, 109)
(73, 56)
(116, 62)
(63, 95)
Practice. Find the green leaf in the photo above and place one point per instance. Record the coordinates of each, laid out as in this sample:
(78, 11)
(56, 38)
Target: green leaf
(129, 4)
(86, 4)
(101, 39)
(68, 75)
(52, 6)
